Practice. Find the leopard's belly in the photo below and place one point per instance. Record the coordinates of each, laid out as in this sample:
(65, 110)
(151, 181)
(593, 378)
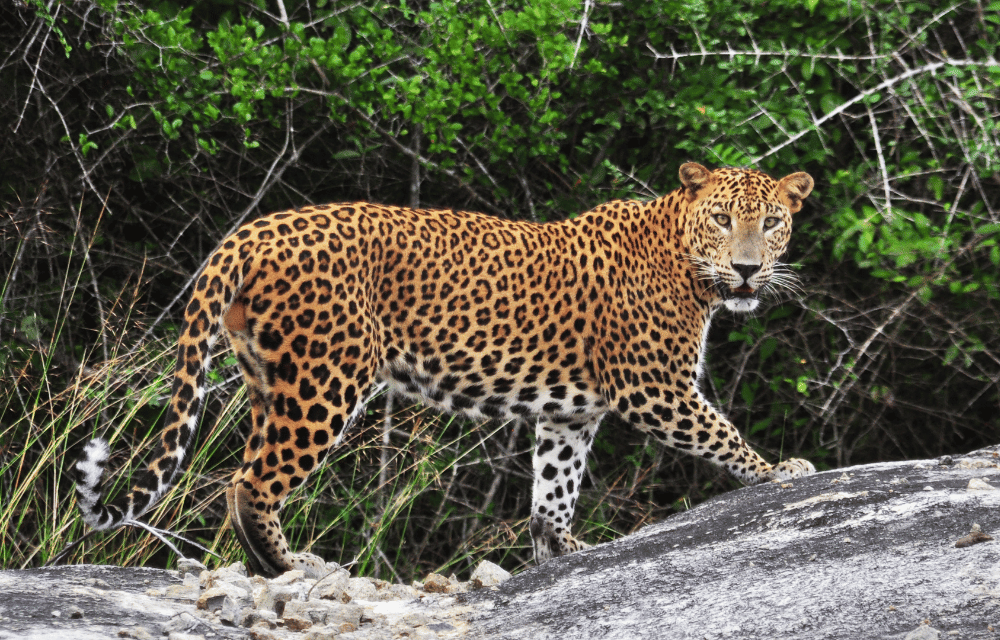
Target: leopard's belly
(514, 387)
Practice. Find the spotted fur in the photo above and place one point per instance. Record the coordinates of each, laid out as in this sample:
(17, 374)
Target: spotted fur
(560, 323)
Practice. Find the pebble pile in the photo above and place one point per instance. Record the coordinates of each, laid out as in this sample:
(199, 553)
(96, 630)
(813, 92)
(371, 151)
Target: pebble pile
(293, 606)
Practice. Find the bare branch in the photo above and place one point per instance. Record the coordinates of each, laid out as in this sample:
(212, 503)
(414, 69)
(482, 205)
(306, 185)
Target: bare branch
(881, 164)
(930, 68)
(587, 6)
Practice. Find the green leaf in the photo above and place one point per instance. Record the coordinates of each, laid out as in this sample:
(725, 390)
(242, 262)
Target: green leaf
(936, 184)
(866, 238)
(767, 348)
(30, 327)
(802, 385)
(760, 425)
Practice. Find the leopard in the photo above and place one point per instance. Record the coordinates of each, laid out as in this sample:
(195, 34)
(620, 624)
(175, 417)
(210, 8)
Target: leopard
(556, 323)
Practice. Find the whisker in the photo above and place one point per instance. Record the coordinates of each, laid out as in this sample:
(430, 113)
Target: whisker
(784, 277)
(703, 267)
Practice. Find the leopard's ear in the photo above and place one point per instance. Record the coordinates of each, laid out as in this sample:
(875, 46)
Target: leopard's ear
(693, 177)
(793, 189)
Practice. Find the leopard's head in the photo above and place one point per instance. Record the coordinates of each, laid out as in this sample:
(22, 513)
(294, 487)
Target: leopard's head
(738, 225)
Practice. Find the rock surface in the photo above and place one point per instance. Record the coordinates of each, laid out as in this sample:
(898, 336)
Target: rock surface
(880, 551)
(87, 602)
(865, 552)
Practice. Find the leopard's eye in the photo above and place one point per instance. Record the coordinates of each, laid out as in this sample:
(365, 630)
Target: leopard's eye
(770, 223)
(721, 219)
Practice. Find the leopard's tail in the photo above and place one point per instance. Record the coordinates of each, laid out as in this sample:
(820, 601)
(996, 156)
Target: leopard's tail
(215, 290)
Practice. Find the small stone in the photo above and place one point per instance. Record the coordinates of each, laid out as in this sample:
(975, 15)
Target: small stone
(975, 536)
(456, 586)
(296, 622)
(289, 577)
(183, 624)
(436, 583)
(324, 612)
(397, 592)
(138, 633)
(190, 566)
(181, 592)
(370, 617)
(414, 620)
(361, 589)
(212, 599)
(333, 586)
(259, 618)
(327, 632)
(975, 464)
(261, 631)
(345, 617)
(232, 611)
(978, 484)
(231, 575)
(488, 574)
(923, 632)
(274, 597)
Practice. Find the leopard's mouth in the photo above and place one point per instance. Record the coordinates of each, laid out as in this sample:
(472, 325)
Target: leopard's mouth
(742, 292)
(742, 298)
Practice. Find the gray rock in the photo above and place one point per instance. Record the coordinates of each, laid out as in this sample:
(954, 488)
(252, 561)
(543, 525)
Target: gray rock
(865, 552)
(113, 602)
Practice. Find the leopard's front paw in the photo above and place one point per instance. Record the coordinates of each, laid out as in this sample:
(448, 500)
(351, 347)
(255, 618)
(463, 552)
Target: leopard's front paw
(793, 468)
(551, 542)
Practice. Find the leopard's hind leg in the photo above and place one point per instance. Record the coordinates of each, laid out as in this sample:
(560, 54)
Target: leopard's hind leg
(305, 390)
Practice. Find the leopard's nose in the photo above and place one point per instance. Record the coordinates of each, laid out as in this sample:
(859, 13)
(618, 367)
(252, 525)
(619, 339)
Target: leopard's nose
(746, 271)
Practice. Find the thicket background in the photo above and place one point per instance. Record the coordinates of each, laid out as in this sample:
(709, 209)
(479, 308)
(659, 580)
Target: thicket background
(138, 134)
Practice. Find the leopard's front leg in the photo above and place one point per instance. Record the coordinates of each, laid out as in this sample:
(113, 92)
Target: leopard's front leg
(560, 458)
(692, 424)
